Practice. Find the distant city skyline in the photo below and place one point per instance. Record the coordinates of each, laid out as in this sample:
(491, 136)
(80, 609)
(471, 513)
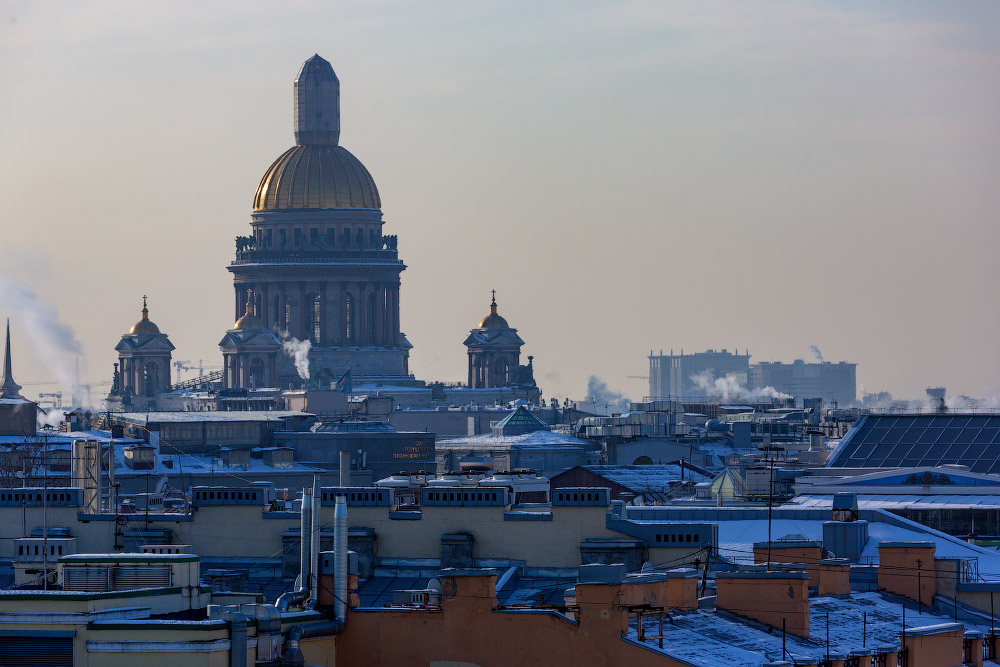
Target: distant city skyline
(628, 177)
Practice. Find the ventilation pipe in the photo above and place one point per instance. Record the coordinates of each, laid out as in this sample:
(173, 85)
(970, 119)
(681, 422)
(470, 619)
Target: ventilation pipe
(301, 594)
(340, 558)
(345, 468)
(314, 546)
(296, 633)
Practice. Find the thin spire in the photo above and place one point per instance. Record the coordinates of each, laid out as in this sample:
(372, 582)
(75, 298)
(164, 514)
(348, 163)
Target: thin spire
(10, 389)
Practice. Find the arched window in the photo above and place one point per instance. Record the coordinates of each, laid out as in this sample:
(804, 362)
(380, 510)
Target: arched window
(348, 318)
(500, 372)
(370, 319)
(151, 380)
(317, 316)
(257, 378)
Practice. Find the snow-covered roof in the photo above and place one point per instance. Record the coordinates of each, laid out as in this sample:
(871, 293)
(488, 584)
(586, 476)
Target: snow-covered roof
(900, 501)
(210, 416)
(717, 639)
(644, 477)
(535, 439)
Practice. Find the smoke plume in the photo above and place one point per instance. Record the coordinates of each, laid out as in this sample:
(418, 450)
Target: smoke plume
(600, 394)
(816, 353)
(299, 351)
(729, 389)
(53, 341)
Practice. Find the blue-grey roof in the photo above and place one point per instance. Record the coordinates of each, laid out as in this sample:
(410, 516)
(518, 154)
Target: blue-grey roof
(891, 441)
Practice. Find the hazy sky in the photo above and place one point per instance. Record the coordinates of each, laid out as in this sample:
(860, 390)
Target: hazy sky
(767, 175)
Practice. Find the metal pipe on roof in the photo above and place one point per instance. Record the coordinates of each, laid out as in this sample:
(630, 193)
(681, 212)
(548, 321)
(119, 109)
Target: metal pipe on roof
(314, 545)
(340, 558)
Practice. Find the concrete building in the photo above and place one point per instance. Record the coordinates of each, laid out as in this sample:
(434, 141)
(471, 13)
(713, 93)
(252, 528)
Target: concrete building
(672, 375)
(834, 383)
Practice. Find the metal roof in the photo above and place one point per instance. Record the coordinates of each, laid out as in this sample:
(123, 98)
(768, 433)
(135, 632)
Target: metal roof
(892, 441)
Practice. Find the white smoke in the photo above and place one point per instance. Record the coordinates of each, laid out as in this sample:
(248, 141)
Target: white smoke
(730, 389)
(601, 395)
(299, 351)
(53, 418)
(54, 341)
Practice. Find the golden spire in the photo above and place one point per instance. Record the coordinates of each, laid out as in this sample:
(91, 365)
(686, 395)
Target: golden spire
(249, 319)
(144, 326)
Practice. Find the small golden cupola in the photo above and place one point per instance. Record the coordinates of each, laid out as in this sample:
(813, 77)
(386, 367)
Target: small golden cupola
(145, 325)
(494, 320)
(249, 319)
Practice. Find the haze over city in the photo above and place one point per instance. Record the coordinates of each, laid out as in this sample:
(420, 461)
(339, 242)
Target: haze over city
(627, 176)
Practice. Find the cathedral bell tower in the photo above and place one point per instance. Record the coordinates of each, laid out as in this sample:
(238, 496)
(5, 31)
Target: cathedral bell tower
(143, 363)
(494, 352)
(250, 352)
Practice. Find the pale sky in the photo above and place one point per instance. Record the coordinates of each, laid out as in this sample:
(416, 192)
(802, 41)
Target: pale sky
(628, 176)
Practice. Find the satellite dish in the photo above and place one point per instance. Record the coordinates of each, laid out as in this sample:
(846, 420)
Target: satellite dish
(434, 584)
(161, 485)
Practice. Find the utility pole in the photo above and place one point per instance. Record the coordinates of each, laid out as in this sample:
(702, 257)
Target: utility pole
(770, 503)
(920, 606)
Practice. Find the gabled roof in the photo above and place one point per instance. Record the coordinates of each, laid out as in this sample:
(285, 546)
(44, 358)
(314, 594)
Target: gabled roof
(249, 338)
(146, 342)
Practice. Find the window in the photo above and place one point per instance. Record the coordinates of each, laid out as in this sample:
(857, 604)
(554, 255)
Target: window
(288, 316)
(317, 315)
(314, 236)
(331, 236)
(370, 319)
(348, 318)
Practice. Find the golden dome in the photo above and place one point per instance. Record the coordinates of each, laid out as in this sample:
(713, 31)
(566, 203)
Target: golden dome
(316, 176)
(145, 325)
(493, 320)
(249, 320)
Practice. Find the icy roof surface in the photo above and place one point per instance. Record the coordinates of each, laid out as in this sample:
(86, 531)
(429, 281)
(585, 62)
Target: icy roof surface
(900, 501)
(535, 439)
(712, 638)
(642, 477)
(211, 416)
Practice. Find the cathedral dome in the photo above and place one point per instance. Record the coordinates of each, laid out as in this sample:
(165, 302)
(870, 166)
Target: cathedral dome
(249, 319)
(314, 177)
(145, 325)
(494, 320)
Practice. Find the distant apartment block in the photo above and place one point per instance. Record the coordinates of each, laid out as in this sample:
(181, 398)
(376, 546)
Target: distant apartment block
(833, 382)
(672, 374)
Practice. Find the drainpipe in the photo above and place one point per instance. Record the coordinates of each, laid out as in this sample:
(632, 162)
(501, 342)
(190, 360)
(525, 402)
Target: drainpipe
(340, 558)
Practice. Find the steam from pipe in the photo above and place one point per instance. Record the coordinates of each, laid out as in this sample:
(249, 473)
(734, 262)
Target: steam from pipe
(816, 353)
(729, 388)
(298, 350)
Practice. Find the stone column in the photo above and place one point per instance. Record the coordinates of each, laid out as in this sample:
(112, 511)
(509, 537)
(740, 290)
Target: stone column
(394, 338)
(305, 314)
(379, 314)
